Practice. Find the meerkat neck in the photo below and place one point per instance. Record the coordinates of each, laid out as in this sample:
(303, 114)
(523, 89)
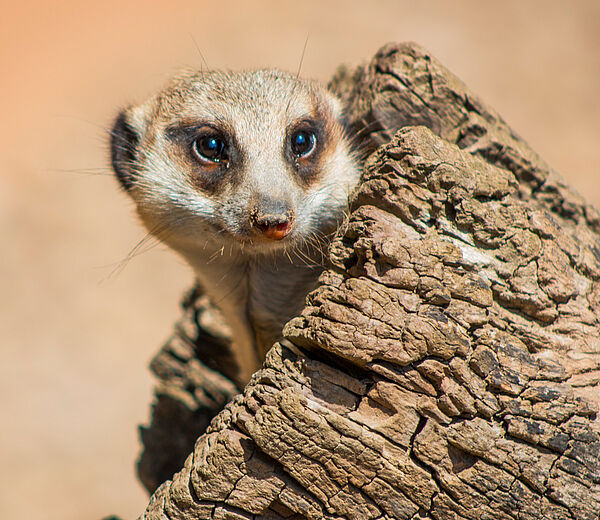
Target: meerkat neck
(254, 293)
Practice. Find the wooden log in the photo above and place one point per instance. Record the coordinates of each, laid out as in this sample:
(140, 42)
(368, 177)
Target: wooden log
(448, 365)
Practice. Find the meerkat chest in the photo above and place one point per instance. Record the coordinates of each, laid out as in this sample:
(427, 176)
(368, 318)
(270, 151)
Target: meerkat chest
(265, 292)
(276, 293)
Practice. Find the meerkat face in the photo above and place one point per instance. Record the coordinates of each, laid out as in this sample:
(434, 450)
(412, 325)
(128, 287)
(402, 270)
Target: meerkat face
(256, 159)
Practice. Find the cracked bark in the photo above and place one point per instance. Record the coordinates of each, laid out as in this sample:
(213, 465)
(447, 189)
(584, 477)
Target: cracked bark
(448, 366)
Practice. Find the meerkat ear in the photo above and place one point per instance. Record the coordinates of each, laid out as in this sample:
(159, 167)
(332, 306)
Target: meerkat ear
(124, 140)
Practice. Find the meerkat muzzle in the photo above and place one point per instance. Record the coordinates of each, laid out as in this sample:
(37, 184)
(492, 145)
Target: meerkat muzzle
(273, 220)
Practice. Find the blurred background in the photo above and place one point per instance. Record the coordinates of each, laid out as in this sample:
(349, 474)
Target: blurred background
(76, 335)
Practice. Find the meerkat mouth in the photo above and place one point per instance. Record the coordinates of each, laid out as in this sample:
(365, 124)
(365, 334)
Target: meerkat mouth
(272, 239)
(276, 231)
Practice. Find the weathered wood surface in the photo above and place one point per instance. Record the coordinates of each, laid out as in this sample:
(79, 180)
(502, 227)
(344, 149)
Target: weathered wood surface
(448, 366)
(196, 375)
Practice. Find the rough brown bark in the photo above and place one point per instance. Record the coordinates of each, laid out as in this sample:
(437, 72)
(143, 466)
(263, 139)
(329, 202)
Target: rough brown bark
(195, 370)
(448, 366)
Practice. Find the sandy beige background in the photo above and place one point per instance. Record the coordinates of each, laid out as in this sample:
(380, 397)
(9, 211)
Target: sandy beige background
(75, 340)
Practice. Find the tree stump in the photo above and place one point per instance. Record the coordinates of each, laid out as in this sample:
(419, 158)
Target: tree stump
(448, 365)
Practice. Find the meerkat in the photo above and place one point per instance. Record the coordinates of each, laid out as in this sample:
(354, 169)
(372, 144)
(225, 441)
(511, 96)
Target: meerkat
(246, 175)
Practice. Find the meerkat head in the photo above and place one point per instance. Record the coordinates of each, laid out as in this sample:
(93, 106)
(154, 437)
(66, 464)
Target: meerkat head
(257, 159)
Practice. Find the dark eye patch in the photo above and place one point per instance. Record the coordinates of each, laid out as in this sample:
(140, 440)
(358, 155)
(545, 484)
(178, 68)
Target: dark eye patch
(214, 159)
(304, 145)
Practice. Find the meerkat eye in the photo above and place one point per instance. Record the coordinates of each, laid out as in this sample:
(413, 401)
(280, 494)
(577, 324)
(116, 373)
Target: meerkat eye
(210, 147)
(303, 143)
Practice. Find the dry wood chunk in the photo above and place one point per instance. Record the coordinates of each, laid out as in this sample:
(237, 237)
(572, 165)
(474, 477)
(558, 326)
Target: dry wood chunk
(447, 367)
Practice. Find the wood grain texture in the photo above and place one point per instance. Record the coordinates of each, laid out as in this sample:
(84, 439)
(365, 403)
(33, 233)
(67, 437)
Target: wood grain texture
(448, 365)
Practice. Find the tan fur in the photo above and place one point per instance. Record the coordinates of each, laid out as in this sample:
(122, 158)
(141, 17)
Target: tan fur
(207, 211)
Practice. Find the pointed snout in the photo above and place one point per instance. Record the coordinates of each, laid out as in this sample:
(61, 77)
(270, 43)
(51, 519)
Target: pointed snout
(272, 218)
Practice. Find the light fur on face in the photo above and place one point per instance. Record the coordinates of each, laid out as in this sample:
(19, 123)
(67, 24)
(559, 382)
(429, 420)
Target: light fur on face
(245, 175)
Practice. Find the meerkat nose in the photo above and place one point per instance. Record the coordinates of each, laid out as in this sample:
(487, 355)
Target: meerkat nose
(273, 219)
